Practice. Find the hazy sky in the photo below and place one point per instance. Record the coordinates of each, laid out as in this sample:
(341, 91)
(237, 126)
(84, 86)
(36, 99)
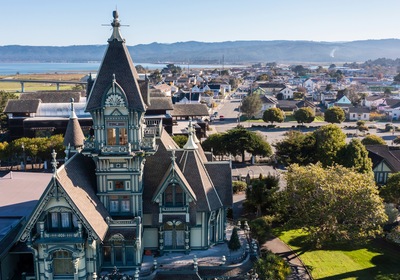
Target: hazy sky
(73, 22)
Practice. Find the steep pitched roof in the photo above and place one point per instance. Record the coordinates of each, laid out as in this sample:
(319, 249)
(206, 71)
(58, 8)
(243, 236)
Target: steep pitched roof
(77, 179)
(378, 153)
(268, 99)
(22, 106)
(195, 172)
(117, 61)
(155, 168)
(174, 172)
(221, 173)
(73, 134)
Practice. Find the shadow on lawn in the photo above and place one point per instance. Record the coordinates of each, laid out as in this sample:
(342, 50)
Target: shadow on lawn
(386, 265)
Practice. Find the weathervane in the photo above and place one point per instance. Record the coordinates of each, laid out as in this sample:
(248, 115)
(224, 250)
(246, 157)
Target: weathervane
(115, 22)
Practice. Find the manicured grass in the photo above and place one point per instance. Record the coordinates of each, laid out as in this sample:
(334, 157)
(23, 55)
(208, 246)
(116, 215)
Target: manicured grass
(371, 261)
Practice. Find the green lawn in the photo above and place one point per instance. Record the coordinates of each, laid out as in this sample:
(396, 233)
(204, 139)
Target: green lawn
(376, 260)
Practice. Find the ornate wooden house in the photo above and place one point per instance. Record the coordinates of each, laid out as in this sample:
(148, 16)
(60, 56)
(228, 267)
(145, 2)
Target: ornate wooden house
(128, 189)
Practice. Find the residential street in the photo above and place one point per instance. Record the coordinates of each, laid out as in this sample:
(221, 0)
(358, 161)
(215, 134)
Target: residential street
(229, 108)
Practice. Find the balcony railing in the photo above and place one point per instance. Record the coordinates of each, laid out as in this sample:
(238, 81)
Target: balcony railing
(76, 234)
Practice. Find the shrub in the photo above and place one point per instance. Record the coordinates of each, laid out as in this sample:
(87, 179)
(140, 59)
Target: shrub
(238, 186)
(392, 212)
(360, 123)
(261, 228)
(271, 267)
(394, 235)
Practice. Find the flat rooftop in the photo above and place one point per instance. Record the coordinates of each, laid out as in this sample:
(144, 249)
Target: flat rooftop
(20, 192)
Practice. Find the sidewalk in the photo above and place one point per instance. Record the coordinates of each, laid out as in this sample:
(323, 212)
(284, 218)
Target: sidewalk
(276, 246)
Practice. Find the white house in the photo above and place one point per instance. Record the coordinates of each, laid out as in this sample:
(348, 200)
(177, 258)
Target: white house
(358, 113)
(287, 93)
(373, 101)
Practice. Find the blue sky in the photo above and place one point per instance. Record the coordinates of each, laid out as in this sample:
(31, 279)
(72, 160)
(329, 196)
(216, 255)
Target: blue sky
(73, 22)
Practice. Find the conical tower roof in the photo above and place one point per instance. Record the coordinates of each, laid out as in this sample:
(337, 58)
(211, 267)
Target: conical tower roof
(73, 135)
(117, 63)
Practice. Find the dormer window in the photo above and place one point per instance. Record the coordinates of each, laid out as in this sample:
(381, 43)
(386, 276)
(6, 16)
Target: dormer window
(62, 221)
(174, 196)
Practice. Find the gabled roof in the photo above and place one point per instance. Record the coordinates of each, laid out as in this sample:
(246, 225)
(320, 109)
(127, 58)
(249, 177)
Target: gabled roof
(287, 104)
(117, 61)
(305, 103)
(360, 110)
(271, 85)
(155, 168)
(219, 171)
(181, 110)
(390, 155)
(195, 172)
(22, 106)
(269, 99)
(174, 174)
(77, 179)
(160, 103)
(392, 102)
(374, 97)
(61, 96)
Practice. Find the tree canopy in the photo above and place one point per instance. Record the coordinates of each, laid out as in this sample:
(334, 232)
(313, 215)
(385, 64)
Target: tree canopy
(334, 203)
(241, 141)
(216, 143)
(335, 114)
(251, 105)
(373, 139)
(296, 147)
(326, 145)
(304, 115)
(238, 141)
(38, 149)
(391, 191)
(260, 194)
(355, 155)
(273, 115)
(329, 139)
(4, 97)
(175, 70)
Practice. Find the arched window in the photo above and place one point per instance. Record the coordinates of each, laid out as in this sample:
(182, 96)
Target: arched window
(174, 196)
(62, 263)
(61, 222)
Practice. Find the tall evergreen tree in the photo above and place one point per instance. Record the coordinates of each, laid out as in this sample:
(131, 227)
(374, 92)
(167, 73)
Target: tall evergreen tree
(234, 242)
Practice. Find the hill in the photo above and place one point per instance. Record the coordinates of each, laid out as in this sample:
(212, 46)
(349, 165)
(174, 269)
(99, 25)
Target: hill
(200, 52)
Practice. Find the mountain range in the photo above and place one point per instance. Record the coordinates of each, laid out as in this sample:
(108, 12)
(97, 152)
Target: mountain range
(231, 52)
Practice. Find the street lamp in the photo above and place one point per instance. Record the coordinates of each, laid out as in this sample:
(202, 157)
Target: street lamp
(23, 156)
(248, 177)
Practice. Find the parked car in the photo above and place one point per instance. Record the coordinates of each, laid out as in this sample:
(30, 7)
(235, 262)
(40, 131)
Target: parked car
(221, 118)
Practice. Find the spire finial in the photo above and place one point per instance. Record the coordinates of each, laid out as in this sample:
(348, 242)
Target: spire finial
(190, 144)
(173, 157)
(54, 162)
(72, 114)
(116, 35)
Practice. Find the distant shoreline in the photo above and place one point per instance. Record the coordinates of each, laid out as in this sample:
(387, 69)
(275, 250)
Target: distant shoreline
(87, 67)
